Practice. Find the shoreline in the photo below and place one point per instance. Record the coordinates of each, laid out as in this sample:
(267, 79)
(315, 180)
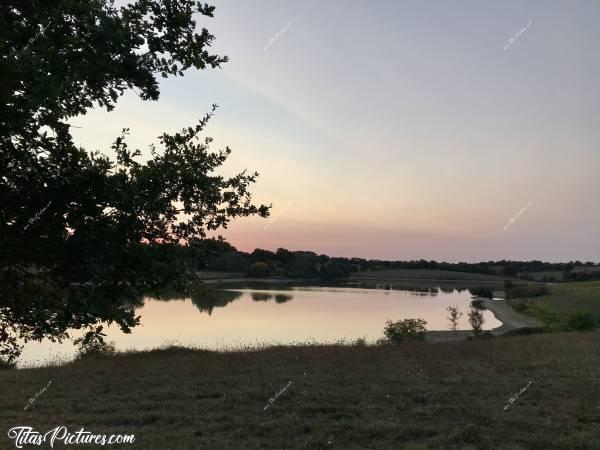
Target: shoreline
(511, 320)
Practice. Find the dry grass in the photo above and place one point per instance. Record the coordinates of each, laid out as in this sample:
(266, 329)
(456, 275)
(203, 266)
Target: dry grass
(448, 395)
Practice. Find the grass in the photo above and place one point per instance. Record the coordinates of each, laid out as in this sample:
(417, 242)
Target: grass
(431, 274)
(550, 275)
(415, 395)
(561, 302)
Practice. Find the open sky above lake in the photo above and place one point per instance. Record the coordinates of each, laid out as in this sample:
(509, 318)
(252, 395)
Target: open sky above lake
(399, 129)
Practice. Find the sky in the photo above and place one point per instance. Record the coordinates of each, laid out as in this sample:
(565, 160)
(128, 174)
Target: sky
(454, 131)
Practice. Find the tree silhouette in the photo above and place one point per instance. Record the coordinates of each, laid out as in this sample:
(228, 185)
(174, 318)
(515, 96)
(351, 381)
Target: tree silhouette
(72, 222)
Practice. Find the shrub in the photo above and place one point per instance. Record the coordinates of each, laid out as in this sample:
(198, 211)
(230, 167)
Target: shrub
(476, 320)
(581, 321)
(454, 316)
(405, 330)
(360, 342)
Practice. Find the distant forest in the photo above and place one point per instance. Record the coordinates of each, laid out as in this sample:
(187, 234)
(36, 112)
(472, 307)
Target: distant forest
(219, 255)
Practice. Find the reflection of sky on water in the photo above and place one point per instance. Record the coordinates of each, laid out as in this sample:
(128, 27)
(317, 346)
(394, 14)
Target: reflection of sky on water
(294, 314)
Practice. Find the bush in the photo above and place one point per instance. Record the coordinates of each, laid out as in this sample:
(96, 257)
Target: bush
(405, 330)
(360, 342)
(476, 320)
(454, 317)
(581, 321)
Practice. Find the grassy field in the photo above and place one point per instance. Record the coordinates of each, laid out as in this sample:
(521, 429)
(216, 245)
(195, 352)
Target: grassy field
(448, 395)
(429, 274)
(569, 297)
(562, 301)
(554, 275)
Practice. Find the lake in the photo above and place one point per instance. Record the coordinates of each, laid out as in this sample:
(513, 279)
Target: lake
(239, 316)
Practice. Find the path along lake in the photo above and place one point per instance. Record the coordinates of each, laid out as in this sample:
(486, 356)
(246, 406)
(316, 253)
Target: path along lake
(234, 317)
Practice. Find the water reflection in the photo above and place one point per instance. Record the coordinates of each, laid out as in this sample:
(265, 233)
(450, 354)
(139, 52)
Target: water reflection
(239, 315)
(217, 299)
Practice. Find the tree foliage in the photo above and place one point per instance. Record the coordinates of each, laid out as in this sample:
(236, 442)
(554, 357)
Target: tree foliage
(72, 222)
(405, 330)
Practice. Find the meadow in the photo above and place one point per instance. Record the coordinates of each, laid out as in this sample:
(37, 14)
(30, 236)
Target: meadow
(425, 274)
(414, 395)
(561, 303)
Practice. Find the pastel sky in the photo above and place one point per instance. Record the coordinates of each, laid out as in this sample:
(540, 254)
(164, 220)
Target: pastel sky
(441, 130)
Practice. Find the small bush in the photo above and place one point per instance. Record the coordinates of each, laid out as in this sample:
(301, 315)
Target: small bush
(405, 330)
(476, 320)
(359, 342)
(581, 321)
(454, 317)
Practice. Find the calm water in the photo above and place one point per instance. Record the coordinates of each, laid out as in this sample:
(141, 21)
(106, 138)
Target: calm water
(234, 317)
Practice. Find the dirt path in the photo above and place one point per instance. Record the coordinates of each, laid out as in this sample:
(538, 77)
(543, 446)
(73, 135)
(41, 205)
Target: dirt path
(511, 319)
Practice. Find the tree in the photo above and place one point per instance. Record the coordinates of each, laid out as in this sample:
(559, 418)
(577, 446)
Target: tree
(258, 269)
(476, 320)
(405, 330)
(72, 223)
(454, 317)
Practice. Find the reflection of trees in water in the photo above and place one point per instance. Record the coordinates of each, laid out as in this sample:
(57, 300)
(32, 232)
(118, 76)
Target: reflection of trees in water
(261, 296)
(207, 300)
(282, 298)
(264, 297)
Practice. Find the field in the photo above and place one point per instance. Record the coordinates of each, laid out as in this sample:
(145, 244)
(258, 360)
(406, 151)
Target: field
(550, 275)
(567, 298)
(447, 395)
(426, 274)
